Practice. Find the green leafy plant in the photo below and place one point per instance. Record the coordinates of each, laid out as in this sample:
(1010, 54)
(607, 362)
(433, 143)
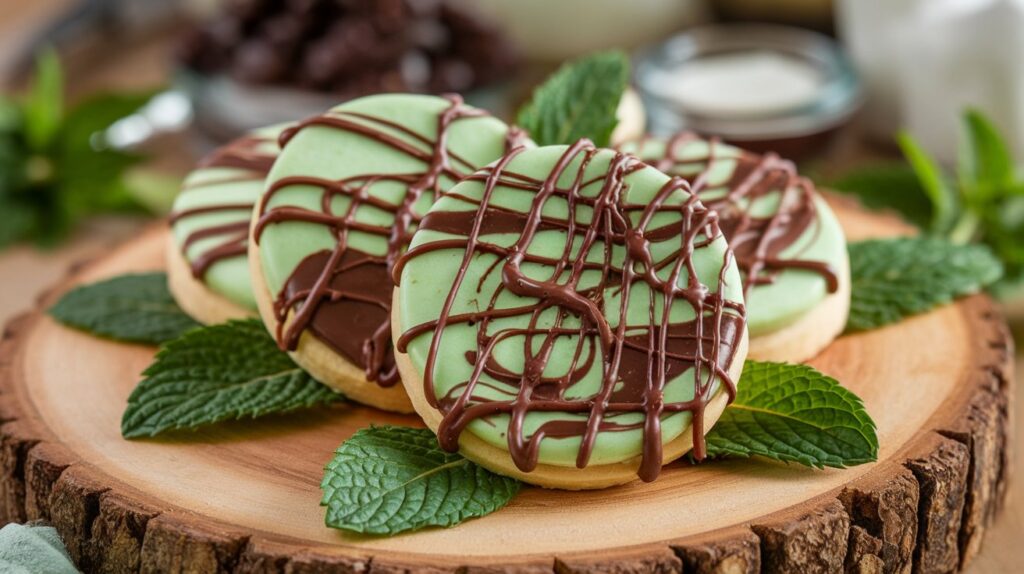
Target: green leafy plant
(136, 308)
(388, 479)
(578, 101)
(983, 202)
(895, 278)
(892, 186)
(52, 170)
(223, 372)
(793, 413)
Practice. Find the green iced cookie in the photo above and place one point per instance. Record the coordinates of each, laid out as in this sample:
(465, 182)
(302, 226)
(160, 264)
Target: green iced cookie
(210, 218)
(566, 304)
(788, 243)
(340, 206)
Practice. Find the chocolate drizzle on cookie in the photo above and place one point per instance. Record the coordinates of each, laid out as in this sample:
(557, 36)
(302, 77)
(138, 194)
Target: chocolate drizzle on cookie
(247, 154)
(758, 241)
(343, 296)
(636, 361)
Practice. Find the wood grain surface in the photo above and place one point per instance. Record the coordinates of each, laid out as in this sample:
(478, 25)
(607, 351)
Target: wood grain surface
(243, 497)
(884, 513)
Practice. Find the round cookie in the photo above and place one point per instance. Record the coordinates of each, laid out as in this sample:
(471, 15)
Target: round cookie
(569, 351)
(790, 248)
(631, 116)
(207, 267)
(340, 205)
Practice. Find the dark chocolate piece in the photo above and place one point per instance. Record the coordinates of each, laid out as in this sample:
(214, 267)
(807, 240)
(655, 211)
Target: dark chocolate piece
(343, 297)
(352, 47)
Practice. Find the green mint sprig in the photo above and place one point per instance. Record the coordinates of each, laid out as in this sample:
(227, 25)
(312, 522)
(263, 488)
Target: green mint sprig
(982, 202)
(52, 173)
(388, 479)
(578, 101)
(223, 372)
(895, 278)
(793, 413)
(888, 186)
(136, 308)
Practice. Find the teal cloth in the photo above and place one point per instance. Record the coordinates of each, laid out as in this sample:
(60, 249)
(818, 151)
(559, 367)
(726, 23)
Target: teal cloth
(33, 550)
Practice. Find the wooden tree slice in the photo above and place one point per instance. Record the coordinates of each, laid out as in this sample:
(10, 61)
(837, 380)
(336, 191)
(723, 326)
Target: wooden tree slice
(243, 497)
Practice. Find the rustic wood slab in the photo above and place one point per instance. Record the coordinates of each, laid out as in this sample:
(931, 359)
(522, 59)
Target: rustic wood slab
(243, 497)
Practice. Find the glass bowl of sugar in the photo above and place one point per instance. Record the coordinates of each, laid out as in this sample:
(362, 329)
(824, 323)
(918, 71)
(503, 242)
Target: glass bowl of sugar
(766, 88)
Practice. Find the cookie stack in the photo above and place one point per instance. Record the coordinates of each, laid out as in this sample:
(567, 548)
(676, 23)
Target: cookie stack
(572, 316)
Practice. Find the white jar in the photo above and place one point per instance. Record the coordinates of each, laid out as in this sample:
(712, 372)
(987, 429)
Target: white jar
(925, 61)
(871, 31)
(960, 54)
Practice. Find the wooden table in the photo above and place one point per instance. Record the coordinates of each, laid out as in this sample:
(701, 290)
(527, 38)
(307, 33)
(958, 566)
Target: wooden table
(27, 271)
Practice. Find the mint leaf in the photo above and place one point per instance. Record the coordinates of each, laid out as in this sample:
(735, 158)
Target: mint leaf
(387, 479)
(894, 278)
(938, 190)
(1003, 229)
(52, 169)
(88, 174)
(97, 113)
(985, 164)
(891, 186)
(578, 101)
(45, 104)
(134, 308)
(793, 413)
(19, 219)
(10, 115)
(983, 204)
(223, 372)
(91, 181)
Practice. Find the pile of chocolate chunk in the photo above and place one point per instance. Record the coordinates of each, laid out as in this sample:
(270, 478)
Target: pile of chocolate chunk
(350, 47)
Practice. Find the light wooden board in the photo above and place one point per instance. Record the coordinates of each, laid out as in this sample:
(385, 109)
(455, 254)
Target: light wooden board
(244, 496)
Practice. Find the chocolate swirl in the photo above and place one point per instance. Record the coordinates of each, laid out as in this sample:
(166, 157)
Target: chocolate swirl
(758, 241)
(249, 155)
(609, 254)
(343, 296)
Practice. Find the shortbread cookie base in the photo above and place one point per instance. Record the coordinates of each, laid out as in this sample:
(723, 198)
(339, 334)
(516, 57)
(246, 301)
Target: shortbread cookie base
(193, 296)
(810, 334)
(548, 475)
(632, 118)
(320, 361)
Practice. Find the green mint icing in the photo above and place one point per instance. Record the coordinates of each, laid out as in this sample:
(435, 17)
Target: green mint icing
(795, 292)
(333, 154)
(210, 186)
(428, 277)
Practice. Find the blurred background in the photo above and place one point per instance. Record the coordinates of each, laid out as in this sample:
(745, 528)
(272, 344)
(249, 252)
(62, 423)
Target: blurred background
(106, 104)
